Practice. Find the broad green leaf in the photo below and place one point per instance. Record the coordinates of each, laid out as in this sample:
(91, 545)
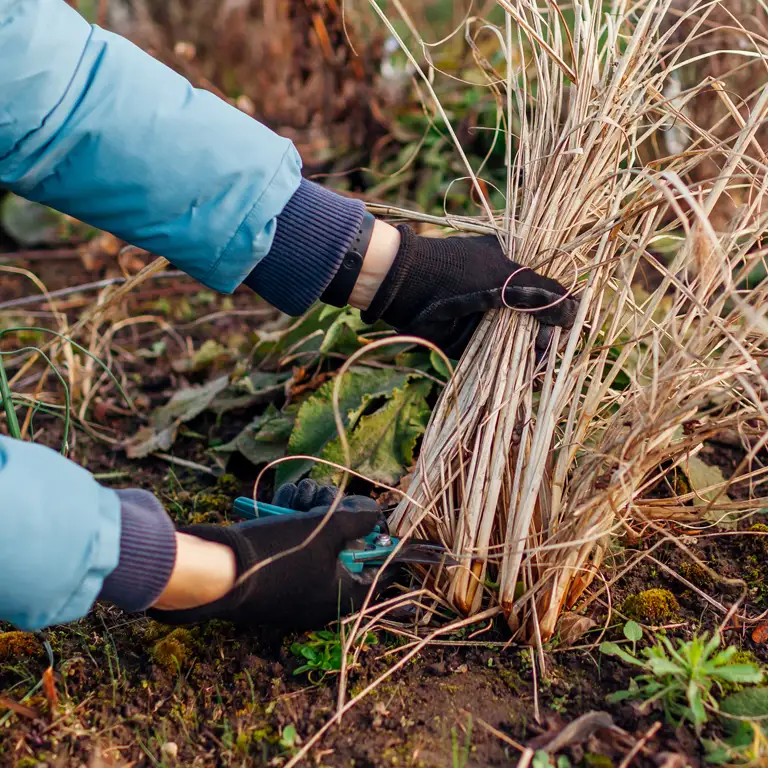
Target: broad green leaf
(612, 649)
(664, 667)
(751, 702)
(265, 438)
(633, 631)
(381, 445)
(341, 336)
(315, 425)
(740, 673)
(255, 388)
(439, 365)
(165, 421)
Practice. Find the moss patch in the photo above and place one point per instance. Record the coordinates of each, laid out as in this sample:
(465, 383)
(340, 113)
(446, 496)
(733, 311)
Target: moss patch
(651, 606)
(15, 644)
(592, 760)
(174, 649)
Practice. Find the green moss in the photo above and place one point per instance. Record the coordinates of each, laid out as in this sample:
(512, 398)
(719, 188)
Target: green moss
(652, 606)
(754, 572)
(591, 760)
(174, 649)
(227, 484)
(154, 631)
(15, 644)
(759, 543)
(210, 508)
(697, 575)
(512, 679)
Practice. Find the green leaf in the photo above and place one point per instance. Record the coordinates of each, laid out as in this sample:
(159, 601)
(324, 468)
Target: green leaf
(696, 703)
(633, 631)
(541, 760)
(751, 702)
(661, 667)
(612, 649)
(165, 421)
(265, 438)
(740, 673)
(342, 336)
(288, 736)
(439, 365)
(381, 446)
(255, 388)
(315, 426)
(619, 696)
(30, 223)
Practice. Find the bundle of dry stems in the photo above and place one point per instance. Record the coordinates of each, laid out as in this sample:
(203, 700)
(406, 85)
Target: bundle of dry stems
(528, 467)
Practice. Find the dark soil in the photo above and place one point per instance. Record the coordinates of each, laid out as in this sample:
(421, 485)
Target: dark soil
(130, 695)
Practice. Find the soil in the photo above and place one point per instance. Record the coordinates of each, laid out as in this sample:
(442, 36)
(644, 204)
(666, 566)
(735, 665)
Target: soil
(130, 695)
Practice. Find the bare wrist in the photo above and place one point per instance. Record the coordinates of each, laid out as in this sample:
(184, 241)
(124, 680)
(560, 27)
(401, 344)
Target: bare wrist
(385, 241)
(204, 571)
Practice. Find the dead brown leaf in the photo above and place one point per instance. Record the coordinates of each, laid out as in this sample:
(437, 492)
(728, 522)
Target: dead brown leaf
(573, 627)
(760, 633)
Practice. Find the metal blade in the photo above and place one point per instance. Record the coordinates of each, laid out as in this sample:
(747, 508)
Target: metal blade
(416, 552)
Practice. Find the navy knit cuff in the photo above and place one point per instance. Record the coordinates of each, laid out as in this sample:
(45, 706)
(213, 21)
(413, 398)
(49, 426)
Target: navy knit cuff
(313, 233)
(147, 553)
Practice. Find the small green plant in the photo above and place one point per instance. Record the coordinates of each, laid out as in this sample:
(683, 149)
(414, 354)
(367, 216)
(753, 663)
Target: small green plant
(746, 745)
(321, 653)
(682, 679)
(746, 738)
(289, 738)
(461, 754)
(543, 759)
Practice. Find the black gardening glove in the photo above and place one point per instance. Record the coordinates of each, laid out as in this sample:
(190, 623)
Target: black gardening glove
(303, 590)
(439, 289)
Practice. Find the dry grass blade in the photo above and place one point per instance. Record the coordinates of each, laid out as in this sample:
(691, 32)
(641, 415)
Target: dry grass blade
(547, 459)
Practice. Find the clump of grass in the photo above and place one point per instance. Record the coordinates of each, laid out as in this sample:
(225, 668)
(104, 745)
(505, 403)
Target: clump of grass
(652, 606)
(527, 468)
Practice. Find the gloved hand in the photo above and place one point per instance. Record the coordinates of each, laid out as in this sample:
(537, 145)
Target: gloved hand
(439, 289)
(302, 590)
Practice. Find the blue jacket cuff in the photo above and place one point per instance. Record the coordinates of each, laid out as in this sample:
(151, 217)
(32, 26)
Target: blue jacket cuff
(313, 233)
(147, 553)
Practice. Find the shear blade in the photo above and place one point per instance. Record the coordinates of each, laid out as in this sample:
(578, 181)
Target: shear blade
(415, 552)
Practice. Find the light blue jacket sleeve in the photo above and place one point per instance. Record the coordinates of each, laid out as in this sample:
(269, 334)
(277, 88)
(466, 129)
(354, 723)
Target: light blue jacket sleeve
(95, 127)
(59, 536)
(91, 125)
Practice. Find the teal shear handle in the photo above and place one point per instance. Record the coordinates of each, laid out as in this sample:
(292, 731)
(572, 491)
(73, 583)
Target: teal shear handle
(376, 547)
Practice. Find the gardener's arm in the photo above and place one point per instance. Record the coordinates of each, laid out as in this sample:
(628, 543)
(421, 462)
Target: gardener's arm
(91, 125)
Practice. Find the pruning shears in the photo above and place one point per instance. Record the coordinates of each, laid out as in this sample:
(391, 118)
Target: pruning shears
(371, 551)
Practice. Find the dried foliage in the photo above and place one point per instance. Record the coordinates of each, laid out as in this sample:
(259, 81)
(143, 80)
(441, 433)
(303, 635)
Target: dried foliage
(290, 62)
(527, 467)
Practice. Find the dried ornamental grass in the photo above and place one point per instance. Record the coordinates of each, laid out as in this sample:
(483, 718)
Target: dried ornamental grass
(527, 467)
